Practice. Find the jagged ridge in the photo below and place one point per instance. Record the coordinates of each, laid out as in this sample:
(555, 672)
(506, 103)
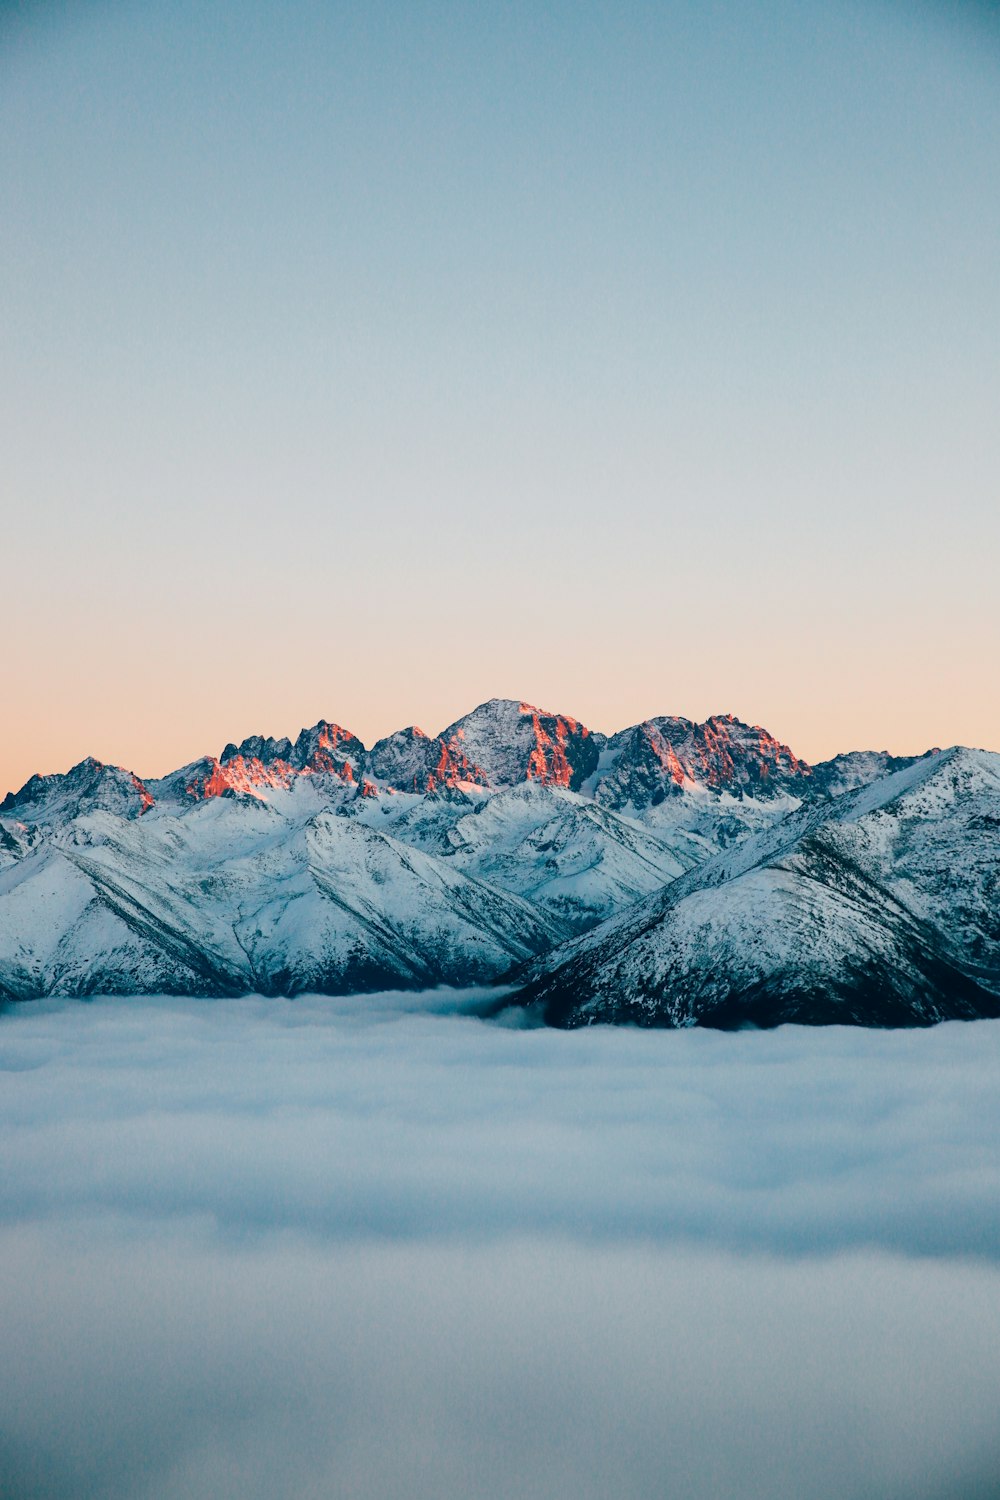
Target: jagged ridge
(715, 877)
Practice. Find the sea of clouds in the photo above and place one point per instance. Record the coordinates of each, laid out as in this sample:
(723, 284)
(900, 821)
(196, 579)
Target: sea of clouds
(382, 1247)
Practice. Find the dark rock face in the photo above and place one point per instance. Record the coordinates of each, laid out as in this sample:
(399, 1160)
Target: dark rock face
(327, 747)
(412, 761)
(658, 758)
(257, 747)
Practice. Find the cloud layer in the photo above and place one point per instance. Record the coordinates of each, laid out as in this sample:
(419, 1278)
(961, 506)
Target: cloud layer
(378, 1248)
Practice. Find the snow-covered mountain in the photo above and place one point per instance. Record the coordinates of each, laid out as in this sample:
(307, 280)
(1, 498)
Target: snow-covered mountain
(231, 896)
(565, 853)
(674, 872)
(881, 907)
(644, 765)
(88, 787)
(500, 744)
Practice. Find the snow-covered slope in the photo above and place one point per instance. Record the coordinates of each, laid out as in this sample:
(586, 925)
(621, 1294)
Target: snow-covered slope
(562, 851)
(232, 897)
(880, 907)
(733, 880)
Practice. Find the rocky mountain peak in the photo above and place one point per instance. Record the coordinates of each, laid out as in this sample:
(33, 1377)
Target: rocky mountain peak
(504, 742)
(666, 755)
(260, 763)
(87, 787)
(259, 747)
(510, 741)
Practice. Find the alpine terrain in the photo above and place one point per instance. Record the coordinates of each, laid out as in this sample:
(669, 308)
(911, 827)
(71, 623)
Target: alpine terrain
(672, 874)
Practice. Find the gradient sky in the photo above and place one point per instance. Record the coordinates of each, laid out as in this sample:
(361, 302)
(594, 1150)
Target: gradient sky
(370, 361)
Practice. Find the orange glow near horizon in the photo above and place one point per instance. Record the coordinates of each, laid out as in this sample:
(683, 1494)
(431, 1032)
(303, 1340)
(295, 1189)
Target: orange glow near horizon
(154, 741)
(653, 417)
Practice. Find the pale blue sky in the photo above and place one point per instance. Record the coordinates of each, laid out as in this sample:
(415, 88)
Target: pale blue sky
(371, 361)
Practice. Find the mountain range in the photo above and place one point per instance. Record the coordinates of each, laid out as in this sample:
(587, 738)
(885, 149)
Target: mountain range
(674, 873)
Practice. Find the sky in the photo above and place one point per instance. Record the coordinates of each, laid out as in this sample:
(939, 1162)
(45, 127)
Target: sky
(378, 1248)
(367, 362)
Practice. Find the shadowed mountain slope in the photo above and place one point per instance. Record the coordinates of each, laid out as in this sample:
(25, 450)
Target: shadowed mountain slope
(674, 873)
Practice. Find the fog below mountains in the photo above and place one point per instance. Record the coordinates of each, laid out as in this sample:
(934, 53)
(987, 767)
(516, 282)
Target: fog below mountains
(380, 1247)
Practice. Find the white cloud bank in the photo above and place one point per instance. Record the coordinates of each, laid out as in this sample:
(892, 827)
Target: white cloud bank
(368, 1249)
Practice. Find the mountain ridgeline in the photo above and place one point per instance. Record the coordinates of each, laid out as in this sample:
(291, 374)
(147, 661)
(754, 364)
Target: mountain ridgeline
(672, 874)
